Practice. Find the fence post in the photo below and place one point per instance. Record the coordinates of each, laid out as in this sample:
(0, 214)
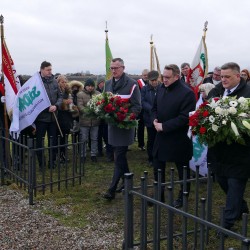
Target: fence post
(1, 156)
(184, 221)
(170, 220)
(143, 241)
(129, 213)
(202, 233)
(31, 155)
(209, 199)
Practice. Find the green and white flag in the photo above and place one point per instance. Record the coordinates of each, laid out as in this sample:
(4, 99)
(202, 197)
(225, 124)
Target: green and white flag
(30, 101)
(108, 59)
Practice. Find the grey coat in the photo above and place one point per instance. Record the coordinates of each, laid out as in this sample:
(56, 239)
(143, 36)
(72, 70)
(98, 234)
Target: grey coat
(118, 136)
(55, 97)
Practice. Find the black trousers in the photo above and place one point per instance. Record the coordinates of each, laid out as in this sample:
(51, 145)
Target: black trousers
(103, 136)
(235, 204)
(140, 133)
(151, 132)
(179, 165)
(121, 166)
(41, 129)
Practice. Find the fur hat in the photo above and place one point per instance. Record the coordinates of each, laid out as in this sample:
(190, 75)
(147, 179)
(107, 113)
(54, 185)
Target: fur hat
(153, 75)
(74, 83)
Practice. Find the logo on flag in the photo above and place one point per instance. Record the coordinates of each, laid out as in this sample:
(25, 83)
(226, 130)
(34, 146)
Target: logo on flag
(30, 101)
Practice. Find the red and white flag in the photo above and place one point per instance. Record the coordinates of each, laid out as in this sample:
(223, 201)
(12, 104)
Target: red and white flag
(199, 66)
(11, 80)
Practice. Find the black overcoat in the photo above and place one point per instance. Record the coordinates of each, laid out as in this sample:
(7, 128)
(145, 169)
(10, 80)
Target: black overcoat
(171, 107)
(231, 160)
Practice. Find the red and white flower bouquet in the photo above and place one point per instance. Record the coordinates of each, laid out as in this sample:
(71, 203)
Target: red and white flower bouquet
(225, 119)
(113, 109)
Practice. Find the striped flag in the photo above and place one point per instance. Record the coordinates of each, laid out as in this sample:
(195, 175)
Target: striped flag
(11, 80)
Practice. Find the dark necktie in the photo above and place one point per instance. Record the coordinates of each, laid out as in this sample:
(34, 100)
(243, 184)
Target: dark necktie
(228, 91)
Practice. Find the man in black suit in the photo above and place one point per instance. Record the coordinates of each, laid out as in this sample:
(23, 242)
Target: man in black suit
(174, 100)
(185, 67)
(231, 162)
(215, 78)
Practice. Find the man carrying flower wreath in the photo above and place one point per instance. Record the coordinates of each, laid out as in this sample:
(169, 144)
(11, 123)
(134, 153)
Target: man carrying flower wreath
(231, 161)
(120, 138)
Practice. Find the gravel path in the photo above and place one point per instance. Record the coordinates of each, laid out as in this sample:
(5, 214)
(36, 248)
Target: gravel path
(25, 227)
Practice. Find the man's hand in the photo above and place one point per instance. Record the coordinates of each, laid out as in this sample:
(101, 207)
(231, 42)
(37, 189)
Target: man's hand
(52, 108)
(158, 126)
(3, 99)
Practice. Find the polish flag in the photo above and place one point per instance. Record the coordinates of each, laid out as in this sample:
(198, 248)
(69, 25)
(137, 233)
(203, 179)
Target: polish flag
(11, 80)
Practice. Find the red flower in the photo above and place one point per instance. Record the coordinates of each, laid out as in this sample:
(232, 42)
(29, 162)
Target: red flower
(108, 108)
(132, 116)
(203, 130)
(204, 104)
(98, 103)
(193, 119)
(205, 113)
(216, 99)
(120, 116)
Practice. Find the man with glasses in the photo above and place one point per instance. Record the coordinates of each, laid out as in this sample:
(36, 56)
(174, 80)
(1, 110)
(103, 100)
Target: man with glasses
(232, 161)
(174, 100)
(215, 78)
(121, 84)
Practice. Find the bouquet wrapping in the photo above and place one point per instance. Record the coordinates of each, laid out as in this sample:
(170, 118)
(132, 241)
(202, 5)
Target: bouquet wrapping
(113, 109)
(225, 119)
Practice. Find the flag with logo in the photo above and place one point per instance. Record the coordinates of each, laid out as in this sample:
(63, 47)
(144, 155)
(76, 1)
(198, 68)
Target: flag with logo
(11, 80)
(30, 101)
(108, 58)
(199, 67)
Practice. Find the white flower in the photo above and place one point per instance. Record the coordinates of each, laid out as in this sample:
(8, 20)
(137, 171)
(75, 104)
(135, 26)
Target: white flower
(211, 118)
(224, 97)
(218, 110)
(224, 122)
(224, 112)
(243, 114)
(246, 124)
(214, 127)
(232, 110)
(213, 104)
(234, 128)
(242, 100)
(233, 103)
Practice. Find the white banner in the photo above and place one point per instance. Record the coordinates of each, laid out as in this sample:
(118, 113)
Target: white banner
(199, 157)
(30, 101)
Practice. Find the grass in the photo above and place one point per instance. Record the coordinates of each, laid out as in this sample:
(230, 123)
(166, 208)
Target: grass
(78, 206)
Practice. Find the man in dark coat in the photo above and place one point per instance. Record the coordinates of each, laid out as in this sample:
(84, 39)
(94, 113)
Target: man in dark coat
(45, 121)
(174, 100)
(215, 78)
(148, 94)
(232, 161)
(121, 84)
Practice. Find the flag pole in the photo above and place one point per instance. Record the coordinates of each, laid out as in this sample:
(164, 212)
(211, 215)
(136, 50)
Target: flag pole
(205, 47)
(7, 148)
(57, 123)
(151, 53)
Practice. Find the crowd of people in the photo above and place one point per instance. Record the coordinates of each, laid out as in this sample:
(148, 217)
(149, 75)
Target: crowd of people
(162, 104)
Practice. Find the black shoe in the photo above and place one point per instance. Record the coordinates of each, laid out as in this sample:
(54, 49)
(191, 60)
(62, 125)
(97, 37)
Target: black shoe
(119, 189)
(109, 196)
(93, 159)
(62, 158)
(178, 203)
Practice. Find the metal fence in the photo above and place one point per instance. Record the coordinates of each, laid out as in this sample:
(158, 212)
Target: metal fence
(161, 226)
(18, 164)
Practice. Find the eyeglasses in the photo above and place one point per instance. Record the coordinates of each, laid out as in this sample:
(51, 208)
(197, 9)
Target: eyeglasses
(115, 68)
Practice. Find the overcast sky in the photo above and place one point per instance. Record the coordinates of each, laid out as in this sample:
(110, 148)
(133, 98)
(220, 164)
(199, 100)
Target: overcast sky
(70, 34)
